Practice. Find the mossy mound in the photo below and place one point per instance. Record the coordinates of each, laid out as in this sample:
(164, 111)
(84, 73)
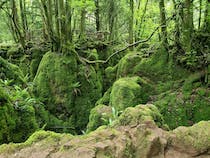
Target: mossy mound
(129, 91)
(99, 116)
(10, 71)
(137, 115)
(17, 115)
(128, 63)
(158, 67)
(53, 83)
(195, 139)
(7, 117)
(66, 94)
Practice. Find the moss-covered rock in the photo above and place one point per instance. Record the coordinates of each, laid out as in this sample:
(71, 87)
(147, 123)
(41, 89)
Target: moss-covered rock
(106, 98)
(157, 67)
(128, 92)
(136, 115)
(7, 117)
(18, 119)
(127, 64)
(10, 71)
(66, 94)
(99, 116)
(195, 139)
(53, 83)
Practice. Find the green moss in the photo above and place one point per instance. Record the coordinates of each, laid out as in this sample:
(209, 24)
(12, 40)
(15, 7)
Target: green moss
(128, 92)
(127, 64)
(184, 107)
(53, 83)
(66, 94)
(86, 95)
(17, 115)
(99, 116)
(8, 123)
(4, 97)
(139, 114)
(106, 97)
(110, 73)
(10, 71)
(197, 136)
(41, 135)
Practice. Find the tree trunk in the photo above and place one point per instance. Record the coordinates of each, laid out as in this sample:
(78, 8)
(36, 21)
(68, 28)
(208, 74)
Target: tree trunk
(188, 25)
(163, 23)
(97, 15)
(131, 20)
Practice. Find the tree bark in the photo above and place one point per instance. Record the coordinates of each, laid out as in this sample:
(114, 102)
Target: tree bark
(164, 37)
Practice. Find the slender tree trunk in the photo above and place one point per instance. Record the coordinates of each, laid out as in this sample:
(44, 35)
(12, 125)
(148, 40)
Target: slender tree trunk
(131, 21)
(111, 13)
(16, 23)
(68, 21)
(163, 23)
(97, 15)
(140, 29)
(177, 25)
(188, 25)
(200, 14)
(137, 21)
(23, 18)
(207, 17)
(82, 24)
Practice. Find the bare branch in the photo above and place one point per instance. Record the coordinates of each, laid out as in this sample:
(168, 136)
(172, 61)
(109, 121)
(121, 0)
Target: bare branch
(125, 48)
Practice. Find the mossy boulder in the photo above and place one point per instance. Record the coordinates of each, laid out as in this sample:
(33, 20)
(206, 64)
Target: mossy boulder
(99, 116)
(139, 114)
(7, 117)
(53, 83)
(127, 64)
(157, 67)
(106, 98)
(68, 91)
(129, 91)
(17, 116)
(10, 71)
(36, 55)
(195, 139)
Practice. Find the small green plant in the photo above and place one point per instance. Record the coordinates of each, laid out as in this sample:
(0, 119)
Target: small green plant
(115, 115)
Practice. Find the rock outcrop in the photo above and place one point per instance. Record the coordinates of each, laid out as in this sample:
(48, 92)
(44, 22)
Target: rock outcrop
(134, 134)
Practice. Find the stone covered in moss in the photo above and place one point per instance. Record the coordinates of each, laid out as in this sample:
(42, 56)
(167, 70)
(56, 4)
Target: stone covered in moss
(10, 71)
(99, 116)
(67, 95)
(53, 83)
(127, 64)
(128, 92)
(17, 116)
(195, 139)
(7, 117)
(136, 115)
